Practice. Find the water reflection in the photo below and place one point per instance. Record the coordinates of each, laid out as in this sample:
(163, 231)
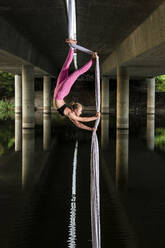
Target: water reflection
(46, 131)
(72, 223)
(150, 132)
(27, 157)
(115, 222)
(18, 132)
(104, 131)
(122, 160)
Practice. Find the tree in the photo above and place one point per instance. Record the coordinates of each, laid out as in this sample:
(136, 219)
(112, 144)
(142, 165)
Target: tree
(160, 83)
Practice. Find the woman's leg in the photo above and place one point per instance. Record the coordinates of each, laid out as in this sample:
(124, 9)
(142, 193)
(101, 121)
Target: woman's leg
(64, 71)
(66, 85)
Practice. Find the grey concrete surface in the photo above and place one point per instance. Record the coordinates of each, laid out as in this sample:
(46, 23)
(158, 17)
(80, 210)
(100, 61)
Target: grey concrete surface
(34, 31)
(150, 95)
(18, 93)
(143, 51)
(28, 97)
(122, 98)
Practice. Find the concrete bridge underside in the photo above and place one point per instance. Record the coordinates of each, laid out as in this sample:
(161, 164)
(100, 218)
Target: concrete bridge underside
(33, 32)
(143, 51)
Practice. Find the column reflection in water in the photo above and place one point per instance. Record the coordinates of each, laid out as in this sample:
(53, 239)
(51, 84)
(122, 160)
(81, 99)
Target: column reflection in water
(18, 132)
(122, 159)
(72, 223)
(46, 131)
(27, 157)
(150, 132)
(104, 131)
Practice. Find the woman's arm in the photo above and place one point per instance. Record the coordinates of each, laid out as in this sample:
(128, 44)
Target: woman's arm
(82, 126)
(83, 119)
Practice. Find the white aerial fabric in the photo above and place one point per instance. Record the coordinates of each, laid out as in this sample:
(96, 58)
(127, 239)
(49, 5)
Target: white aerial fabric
(71, 10)
(94, 184)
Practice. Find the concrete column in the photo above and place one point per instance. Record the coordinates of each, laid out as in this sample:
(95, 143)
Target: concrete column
(151, 132)
(46, 132)
(104, 132)
(18, 93)
(46, 94)
(105, 95)
(28, 96)
(122, 160)
(122, 98)
(150, 95)
(18, 132)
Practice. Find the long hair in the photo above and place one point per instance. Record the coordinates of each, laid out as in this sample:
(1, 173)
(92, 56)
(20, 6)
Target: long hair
(76, 105)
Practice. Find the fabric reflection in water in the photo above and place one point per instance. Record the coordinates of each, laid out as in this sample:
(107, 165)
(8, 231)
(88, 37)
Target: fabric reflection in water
(72, 223)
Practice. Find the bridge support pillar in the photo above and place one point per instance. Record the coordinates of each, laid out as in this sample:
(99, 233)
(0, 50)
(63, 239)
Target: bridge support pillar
(105, 95)
(150, 95)
(46, 94)
(18, 94)
(122, 98)
(28, 96)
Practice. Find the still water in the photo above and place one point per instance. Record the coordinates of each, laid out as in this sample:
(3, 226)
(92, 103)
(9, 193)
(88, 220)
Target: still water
(45, 184)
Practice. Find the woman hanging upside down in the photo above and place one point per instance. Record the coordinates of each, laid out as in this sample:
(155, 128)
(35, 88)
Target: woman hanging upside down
(64, 84)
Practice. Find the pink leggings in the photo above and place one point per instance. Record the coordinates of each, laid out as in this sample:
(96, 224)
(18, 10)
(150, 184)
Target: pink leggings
(65, 82)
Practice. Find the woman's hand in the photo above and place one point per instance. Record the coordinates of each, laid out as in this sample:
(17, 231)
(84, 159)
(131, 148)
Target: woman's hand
(93, 129)
(71, 41)
(98, 115)
(95, 55)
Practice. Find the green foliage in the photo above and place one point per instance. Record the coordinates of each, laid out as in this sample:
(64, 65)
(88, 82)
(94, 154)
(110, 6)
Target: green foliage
(160, 138)
(10, 142)
(160, 83)
(6, 110)
(6, 136)
(6, 84)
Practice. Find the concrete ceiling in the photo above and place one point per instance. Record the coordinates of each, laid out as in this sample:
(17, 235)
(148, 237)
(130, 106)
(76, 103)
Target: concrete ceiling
(143, 51)
(101, 26)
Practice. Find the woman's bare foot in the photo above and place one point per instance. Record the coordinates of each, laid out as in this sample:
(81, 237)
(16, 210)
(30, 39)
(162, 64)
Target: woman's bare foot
(71, 41)
(94, 55)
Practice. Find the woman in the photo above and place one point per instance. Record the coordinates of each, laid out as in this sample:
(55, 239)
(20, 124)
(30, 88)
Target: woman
(64, 84)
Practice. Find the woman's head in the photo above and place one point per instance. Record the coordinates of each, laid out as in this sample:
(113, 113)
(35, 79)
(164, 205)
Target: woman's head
(77, 108)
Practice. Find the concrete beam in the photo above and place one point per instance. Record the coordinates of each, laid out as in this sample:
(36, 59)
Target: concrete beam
(138, 47)
(22, 50)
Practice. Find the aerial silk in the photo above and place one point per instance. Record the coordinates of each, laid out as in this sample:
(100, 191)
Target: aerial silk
(94, 183)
